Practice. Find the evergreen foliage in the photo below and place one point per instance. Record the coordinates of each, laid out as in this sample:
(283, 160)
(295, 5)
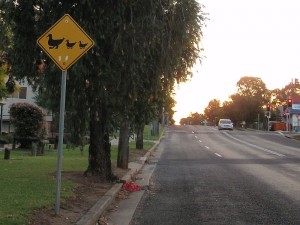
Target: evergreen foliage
(142, 48)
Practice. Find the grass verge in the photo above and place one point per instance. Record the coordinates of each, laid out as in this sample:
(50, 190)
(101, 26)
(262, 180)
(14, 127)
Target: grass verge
(28, 183)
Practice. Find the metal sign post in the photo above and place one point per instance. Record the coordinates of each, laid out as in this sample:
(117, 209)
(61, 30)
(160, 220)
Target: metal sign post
(268, 115)
(287, 121)
(60, 140)
(65, 42)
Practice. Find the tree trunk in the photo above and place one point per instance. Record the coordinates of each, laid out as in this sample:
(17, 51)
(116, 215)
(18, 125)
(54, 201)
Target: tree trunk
(123, 146)
(155, 128)
(140, 136)
(99, 152)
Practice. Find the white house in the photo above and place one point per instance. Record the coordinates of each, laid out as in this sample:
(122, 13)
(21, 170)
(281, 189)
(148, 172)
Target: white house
(24, 94)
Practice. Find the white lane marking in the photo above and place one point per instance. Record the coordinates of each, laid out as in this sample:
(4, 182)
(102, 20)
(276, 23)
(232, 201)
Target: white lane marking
(200, 141)
(206, 147)
(196, 137)
(256, 146)
(217, 154)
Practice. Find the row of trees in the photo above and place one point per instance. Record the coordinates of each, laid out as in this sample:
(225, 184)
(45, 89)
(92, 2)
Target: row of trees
(142, 48)
(247, 104)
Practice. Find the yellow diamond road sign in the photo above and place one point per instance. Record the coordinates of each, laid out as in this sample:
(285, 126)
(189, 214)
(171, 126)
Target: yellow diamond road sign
(65, 42)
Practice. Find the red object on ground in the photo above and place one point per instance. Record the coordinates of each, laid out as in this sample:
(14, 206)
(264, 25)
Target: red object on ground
(130, 186)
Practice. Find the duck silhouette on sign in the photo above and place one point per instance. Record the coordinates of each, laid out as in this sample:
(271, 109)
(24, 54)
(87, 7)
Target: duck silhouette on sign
(81, 45)
(70, 45)
(54, 43)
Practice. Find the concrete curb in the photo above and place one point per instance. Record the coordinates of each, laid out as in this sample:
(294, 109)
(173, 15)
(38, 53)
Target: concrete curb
(93, 215)
(287, 135)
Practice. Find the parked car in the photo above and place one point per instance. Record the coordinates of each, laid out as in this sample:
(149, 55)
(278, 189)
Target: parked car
(225, 124)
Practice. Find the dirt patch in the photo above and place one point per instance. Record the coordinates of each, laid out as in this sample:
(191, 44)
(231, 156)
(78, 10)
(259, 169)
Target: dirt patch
(296, 137)
(87, 192)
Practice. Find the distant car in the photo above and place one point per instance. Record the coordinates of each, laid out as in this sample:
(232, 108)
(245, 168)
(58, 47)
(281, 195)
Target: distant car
(225, 124)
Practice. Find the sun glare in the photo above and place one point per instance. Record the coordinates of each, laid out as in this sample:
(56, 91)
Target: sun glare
(238, 42)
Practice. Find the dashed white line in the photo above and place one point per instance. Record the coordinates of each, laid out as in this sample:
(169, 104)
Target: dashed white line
(196, 137)
(217, 154)
(206, 147)
(200, 141)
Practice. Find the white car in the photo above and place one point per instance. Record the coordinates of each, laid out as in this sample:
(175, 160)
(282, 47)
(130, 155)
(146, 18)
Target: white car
(225, 124)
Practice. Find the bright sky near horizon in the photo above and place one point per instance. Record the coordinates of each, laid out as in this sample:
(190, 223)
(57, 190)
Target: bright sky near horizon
(259, 38)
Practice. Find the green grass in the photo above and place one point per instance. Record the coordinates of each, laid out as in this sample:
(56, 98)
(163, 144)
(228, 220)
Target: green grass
(147, 133)
(28, 183)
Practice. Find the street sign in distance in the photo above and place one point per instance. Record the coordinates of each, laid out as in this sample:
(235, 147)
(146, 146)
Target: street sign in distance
(65, 42)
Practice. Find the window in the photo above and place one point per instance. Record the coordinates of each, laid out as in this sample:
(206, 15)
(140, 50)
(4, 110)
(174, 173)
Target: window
(23, 92)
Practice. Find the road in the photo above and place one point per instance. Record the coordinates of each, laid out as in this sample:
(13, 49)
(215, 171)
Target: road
(207, 176)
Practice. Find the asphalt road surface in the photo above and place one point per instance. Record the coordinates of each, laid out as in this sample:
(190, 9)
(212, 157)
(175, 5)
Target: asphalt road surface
(207, 176)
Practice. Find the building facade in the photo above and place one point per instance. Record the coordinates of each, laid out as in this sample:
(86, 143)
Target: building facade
(292, 114)
(26, 94)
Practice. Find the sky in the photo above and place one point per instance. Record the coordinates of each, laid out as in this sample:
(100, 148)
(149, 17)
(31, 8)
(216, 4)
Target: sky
(259, 38)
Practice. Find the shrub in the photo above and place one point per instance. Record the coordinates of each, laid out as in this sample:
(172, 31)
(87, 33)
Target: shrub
(5, 140)
(28, 120)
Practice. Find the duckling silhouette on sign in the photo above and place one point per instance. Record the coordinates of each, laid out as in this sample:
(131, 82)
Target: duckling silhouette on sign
(81, 45)
(54, 43)
(70, 45)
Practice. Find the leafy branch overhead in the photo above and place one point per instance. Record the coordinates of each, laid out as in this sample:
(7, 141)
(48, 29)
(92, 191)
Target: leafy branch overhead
(142, 48)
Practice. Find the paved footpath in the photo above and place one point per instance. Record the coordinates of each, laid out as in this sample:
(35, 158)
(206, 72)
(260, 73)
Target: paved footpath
(126, 208)
(140, 169)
